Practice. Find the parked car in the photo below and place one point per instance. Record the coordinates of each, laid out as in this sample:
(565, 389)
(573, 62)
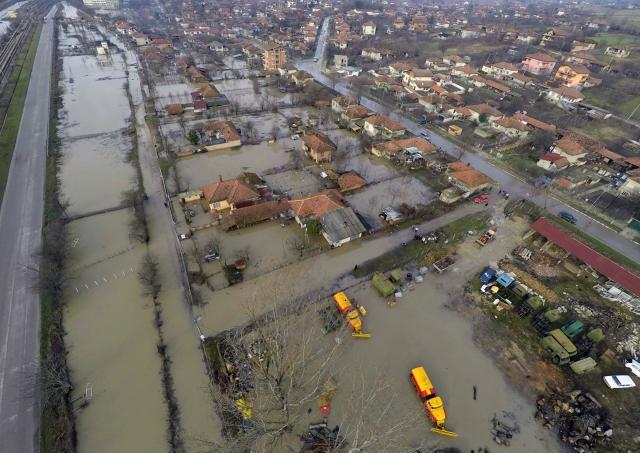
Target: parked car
(567, 216)
(619, 381)
(315, 59)
(183, 236)
(209, 257)
(482, 199)
(424, 134)
(295, 137)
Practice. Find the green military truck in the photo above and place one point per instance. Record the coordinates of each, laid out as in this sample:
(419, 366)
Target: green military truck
(559, 347)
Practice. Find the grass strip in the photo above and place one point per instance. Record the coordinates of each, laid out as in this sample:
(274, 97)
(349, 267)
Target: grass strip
(9, 131)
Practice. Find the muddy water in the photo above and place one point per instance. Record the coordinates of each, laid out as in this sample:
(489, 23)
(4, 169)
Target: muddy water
(418, 331)
(171, 93)
(122, 369)
(263, 255)
(206, 168)
(111, 336)
(94, 141)
(394, 192)
(95, 173)
(95, 100)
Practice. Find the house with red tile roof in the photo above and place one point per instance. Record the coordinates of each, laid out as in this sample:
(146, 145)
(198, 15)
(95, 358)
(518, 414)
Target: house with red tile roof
(552, 162)
(384, 127)
(315, 206)
(539, 63)
(253, 214)
(573, 151)
(318, 146)
(489, 112)
(226, 195)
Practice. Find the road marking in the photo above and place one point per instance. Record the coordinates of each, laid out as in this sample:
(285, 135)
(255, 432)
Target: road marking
(115, 276)
(105, 279)
(96, 282)
(77, 291)
(86, 286)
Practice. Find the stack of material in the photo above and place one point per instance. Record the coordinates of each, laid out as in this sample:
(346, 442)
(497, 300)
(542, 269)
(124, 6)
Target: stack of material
(581, 421)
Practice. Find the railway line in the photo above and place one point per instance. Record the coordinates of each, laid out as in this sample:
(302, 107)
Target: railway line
(30, 14)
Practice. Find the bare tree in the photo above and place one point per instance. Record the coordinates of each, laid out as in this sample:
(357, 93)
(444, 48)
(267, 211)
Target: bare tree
(213, 244)
(270, 373)
(297, 245)
(249, 130)
(149, 276)
(280, 364)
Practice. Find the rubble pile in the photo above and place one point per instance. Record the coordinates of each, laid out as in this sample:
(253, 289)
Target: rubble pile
(503, 428)
(581, 421)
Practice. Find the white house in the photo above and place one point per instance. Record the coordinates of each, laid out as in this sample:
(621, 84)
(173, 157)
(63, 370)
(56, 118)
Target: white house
(369, 28)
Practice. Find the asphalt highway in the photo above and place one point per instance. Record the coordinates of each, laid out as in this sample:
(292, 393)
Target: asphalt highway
(20, 239)
(511, 183)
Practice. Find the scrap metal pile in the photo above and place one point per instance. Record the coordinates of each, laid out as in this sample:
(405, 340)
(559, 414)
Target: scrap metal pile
(580, 419)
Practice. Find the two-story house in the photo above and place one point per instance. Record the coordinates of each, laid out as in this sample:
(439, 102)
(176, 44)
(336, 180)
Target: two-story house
(539, 63)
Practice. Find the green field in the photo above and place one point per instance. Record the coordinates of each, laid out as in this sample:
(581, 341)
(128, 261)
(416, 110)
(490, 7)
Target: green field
(617, 40)
(9, 132)
(621, 97)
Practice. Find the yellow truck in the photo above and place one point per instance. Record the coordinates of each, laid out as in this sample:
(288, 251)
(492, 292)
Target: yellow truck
(351, 314)
(432, 402)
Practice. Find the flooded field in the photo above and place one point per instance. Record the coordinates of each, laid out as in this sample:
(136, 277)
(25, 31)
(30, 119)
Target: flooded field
(111, 335)
(122, 370)
(95, 172)
(294, 183)
(95, 100)
(206, 168)
(94, 142)
(419, 331)
(393, 192)
(172, 93)
(264, 256)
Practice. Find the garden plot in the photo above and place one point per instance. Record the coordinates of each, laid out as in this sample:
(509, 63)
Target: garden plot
(294, 183)
(393, 192)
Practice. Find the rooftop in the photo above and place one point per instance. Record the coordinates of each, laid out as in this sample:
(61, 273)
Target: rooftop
(607, 267)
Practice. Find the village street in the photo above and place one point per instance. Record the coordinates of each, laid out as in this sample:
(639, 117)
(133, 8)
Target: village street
(506, 180)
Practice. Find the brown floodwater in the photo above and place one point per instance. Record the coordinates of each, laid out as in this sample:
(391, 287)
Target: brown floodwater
(418, 331)
(94, 142)
(112, 340)
(110, 332)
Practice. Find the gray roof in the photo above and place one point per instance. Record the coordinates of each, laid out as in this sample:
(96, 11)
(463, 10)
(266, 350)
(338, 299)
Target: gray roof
(342, 223)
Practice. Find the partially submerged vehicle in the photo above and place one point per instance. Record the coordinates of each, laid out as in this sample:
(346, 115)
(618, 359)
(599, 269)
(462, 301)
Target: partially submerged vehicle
(432, 402)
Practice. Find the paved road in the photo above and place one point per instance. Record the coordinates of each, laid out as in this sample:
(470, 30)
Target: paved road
(516, 187)
(20, 229)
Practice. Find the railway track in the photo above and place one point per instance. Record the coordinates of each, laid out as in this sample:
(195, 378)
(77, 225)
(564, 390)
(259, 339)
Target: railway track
(31, 14)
